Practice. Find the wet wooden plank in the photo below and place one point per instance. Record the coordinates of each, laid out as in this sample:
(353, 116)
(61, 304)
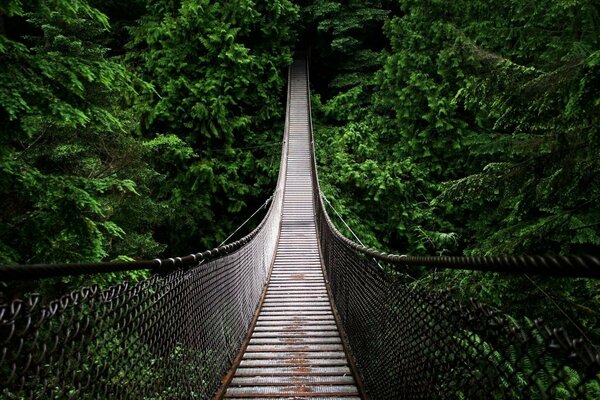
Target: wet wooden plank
(292, 380)
(293, 390)
(291, 362)
(283, 371)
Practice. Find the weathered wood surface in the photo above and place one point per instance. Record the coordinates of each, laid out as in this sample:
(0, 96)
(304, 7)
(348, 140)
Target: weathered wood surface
(295, 350)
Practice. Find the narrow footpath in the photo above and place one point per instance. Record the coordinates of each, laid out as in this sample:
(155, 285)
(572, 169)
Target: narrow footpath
(295, 350)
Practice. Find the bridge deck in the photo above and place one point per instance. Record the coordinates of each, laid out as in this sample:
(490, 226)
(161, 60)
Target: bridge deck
(295, 350)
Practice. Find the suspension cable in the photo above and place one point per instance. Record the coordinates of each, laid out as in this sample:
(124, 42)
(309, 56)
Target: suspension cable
(241, 226)
(341, 219)
(263, 206)
(39, 271)
(559, 308)
(345, 224)
(574, 266)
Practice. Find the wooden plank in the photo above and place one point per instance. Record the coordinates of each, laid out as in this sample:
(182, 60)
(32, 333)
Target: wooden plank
(283, 371)
(295, 350)
(292, 380)
(287, 362)
(295, 355)
(292, 390)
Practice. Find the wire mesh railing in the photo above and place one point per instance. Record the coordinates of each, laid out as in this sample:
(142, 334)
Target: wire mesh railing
(414, 343)
(171, 336)
(410, 342)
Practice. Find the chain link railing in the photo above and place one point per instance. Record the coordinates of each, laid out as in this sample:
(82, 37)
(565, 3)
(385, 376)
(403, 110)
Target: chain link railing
(167, 337)
(409, 342)
(171, 336)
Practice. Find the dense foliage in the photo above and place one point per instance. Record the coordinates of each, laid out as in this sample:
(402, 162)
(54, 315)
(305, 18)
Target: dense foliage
(148, 128)
(217, 72)
(69, 165)
(478, 134)
(126, 151)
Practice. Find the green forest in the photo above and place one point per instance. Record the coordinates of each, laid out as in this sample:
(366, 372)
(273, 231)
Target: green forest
(139, 129)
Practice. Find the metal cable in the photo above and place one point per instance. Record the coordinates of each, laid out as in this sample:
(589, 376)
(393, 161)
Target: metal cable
(341, 218)
(574, 266)
(414, 343)
(39, 271)
(263, 206)
(171, 336)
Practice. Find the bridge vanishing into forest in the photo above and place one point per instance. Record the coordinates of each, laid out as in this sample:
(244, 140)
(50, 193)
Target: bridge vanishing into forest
(293, 310)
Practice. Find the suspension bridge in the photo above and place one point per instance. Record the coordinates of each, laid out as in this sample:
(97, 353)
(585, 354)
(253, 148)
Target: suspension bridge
(294, 310)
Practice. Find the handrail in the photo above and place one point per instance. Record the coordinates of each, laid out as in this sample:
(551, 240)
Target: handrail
(412, 342)
(572, 266)
(38, 271)
(172, 334)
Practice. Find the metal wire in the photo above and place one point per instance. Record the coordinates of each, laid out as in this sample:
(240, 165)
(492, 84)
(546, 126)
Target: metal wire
(263, 206)
(171, 336)
(168, 337)
(574, 266)
(37, 271)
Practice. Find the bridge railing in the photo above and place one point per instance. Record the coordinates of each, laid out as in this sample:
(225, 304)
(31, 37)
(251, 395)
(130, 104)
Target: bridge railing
(171, 336)
(413, 343)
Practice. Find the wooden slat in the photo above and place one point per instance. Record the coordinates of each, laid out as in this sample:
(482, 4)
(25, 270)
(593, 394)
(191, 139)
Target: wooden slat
(294, 390)
(295, 350)
(287, 371)
(290, 362)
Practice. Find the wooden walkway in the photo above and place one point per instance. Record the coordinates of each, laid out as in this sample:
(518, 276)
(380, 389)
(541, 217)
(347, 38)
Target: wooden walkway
(295, 350)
